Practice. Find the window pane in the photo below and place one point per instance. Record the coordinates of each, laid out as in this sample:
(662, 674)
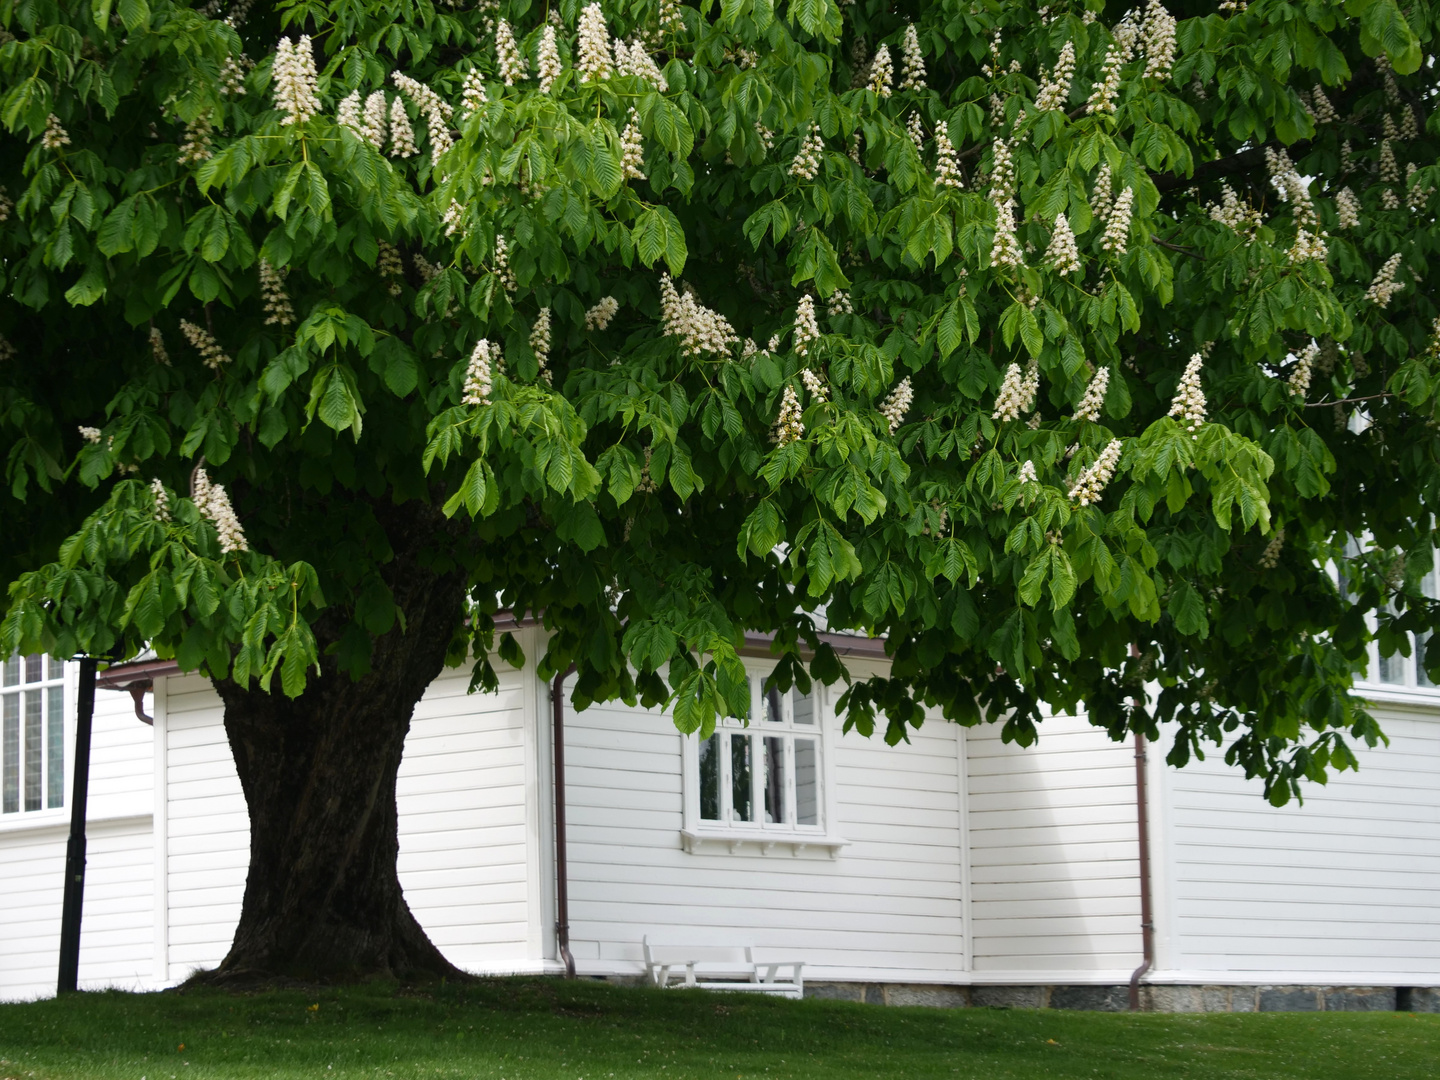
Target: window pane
(740, 797)
(57, 668)
(1421, 648)
(33, 772)
(807, 783)
(10, 672)
(1392, 669)
(34, 668)
(55, 751)
(774, 712)
(10, 754)
(710, 778)
(804, 708)
(774, 780)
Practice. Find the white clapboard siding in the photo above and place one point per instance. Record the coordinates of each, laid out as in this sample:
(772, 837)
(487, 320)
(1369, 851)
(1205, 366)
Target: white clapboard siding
(1341, 889)
(890, 906)
(115, 940)
(463, 839)
(1054, 855)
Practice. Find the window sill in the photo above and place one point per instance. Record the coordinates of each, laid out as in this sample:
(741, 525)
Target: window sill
(697, 841)
(1394, 693)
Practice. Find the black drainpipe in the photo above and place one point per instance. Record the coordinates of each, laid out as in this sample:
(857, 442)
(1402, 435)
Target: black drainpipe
(562, 872)
(74, 892)
(1147, 920)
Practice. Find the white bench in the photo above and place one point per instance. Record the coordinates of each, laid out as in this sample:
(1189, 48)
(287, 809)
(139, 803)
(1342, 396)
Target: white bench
(718, 967)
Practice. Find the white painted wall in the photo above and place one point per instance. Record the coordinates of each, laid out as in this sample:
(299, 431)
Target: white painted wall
(115, 944)
(1344, 889)
(889, 906)
(1054, 856)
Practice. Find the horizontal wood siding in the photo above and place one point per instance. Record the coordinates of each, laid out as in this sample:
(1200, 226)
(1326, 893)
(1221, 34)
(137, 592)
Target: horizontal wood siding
(1054, 854)
(1341, 889)
(890, 905)
(115, 942)
(461, 796)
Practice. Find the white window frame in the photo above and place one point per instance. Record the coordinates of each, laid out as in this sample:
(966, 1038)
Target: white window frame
(21, 818)
(705, 835)
(1408, 686)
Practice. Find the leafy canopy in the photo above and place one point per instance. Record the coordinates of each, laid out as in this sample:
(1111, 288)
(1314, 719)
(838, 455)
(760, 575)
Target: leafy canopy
(1248, 186)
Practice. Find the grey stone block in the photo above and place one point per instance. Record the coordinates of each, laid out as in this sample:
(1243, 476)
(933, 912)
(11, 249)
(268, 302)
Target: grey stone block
(1009, 997)
(874, 994)
(1360, 999)
(1422, 999)
(1173, 999)
(836, 991)
(1289, 999)
(1091, 998)
(934, 997)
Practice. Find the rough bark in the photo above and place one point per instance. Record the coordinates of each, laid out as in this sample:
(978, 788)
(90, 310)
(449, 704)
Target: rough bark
(323, 899)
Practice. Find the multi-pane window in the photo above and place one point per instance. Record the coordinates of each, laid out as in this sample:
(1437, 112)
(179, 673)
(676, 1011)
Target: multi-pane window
(1406, 671)
(763, 771)
(32, 734)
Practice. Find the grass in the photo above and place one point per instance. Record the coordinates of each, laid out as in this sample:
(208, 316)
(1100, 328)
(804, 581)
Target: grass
(533, 1029)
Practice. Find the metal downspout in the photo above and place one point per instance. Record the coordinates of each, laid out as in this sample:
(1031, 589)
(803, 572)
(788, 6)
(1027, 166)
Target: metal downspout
(562, 872)
(1147, 920)
(74, 890)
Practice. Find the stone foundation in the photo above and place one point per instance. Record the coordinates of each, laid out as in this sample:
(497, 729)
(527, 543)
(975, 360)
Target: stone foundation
(1157, 998)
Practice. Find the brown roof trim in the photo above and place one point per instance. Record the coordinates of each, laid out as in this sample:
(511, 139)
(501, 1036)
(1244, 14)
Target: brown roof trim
(120, 676)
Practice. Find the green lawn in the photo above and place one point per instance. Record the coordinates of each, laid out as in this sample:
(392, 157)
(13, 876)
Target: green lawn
(531, 1029)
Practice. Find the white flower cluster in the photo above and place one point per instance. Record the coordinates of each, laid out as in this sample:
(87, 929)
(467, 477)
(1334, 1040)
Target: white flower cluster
(699, 329)
(807, 329)
(1055, 92)
(595, 61)
(1309, 237)
(599, 316)
(635, 60)
(1231, 213)
(788, 427)
(54, 136)
(296, 94)
(1117, 226)
(437, 113)
(390, 265)
(508, 56)
(373, 126)
(1419, 195)
(1188, 404)
(454, 218)
(278, 311)
(1063, 254)
(1270, 557)
(1159, 33)
(502, 264)
(1090, 484)
(912, 61)
(485, 361)
(1347, 208)
(1299, 380)
(162, 500)
(1017, 392)
(232, 78)
(915, 129)
(767, 137)
(882, 72)
(1094, 398)
(157, 347)
(1005, 247)
(1027, 473)
(547, 60)
(195, 147)
(90, 434)
(1102, 198)
(816, 385)
(472, 93)
(806, 165)
(947, 162)
(1121, 50)
(7, 205)
(839, 304)
(402, 135)
(897, 404)
(670, 20)
(1002, 172)
(1409, 126)
(1385, 286)
(205, 345)
(213, 502)
(1321, 108)
(540, 343)
(632, 149)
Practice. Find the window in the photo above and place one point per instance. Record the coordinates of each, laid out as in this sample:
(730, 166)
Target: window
(32, 734)
(1400, 671)
(760, 780)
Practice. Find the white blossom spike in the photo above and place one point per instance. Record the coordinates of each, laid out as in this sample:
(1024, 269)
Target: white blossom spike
(1299, 381)
(162, 500)
(293, 72)
(276, 300)
(897, 404)
(485, 363)
(1188, 405)
(1055, 94)
(510, 60)
(1063, 253)
(807, 328)
(599, 316)
(548, 65)
(1093, 400)
(882, 73)
(595, 62)
(1017, 392)
(202, 342)
(402, 135)
(213, 502)
(788, 427)
(912, 61)
(632, 149)
(540, 343)
(947, 162)
(1090, 484)
(1385, 286)
(1117, 229)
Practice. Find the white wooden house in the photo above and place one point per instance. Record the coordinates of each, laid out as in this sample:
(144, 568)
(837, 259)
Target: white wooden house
(952, 870)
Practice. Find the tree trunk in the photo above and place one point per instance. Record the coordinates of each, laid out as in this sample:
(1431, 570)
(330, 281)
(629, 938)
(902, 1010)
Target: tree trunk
(323, 898)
